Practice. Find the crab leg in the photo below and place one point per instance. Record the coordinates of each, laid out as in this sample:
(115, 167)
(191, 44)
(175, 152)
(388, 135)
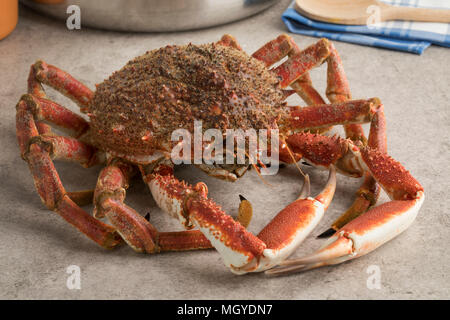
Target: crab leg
(35, 89)
(321, 151)
(182, 241)
(179, 240)
(82, 198)
(229, 41)
(337, 84)
(303, 61)
(48, 183)
(51, 112)
(296, 66)
(294, 223)
(354, 111)
(62, 82)
(272, 52)
(136, 230)
(241, 250)
(108, 200)
(59, 147)
(338, 90)
(69, 149)
(303, 85)
(378, 225)
(367, 195)
(47, 111)
(359, 237)
(323, 116)
(275, 50)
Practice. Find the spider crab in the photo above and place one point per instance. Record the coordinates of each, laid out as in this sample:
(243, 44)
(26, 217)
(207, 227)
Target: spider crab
(134, 111)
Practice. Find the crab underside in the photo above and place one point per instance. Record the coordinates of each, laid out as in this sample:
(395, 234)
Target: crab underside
(133, 113)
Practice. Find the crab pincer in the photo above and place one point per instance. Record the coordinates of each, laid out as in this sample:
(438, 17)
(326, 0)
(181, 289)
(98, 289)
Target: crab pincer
(373, 228)
(242, 251)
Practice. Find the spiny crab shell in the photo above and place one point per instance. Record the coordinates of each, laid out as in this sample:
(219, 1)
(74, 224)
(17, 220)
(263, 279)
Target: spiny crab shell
(135, 111)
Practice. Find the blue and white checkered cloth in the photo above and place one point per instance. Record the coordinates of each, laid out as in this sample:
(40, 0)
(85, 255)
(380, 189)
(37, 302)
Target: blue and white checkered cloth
(407, 36)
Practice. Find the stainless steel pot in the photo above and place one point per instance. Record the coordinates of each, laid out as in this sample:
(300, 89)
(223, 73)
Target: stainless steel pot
(154, 15)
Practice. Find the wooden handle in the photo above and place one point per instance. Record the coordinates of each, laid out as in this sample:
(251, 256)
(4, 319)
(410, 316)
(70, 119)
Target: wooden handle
(417, 14)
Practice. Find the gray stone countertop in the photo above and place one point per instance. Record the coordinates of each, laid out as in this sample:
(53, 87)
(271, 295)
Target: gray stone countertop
(37, 246)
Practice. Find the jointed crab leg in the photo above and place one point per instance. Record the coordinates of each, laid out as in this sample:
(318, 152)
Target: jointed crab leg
(272, 52)
(294, 72)
(40, 72)
(33, 111)
(378, 225)
(298, 64)
(359, 237)
(323, 116)
(69, 149)
(108, 199)
(49, 186)
(35, 89)
(322, 151)
(368, 193)
(294, 223)
(338, 91)
(51, 112)
(34, 86)
(230, 41)
(242, 251)
(182, 241)
(139, 233)
(59, 147)
(172, 241)
(63, 82)
(283, 46)
(275, 50)
(319, 116)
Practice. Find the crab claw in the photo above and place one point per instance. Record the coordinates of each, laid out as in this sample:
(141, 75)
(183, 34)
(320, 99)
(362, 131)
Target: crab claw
(359, 237)
(337, 250)
(293, 224)
(243, 252)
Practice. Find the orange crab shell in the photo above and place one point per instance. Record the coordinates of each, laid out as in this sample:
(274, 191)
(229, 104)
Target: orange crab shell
(135, 111)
